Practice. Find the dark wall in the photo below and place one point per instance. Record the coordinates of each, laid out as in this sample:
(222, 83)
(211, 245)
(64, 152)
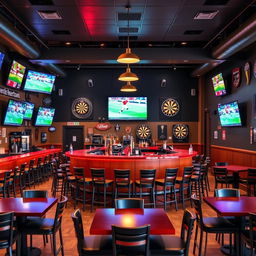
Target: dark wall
(236, 137)
(105, 80)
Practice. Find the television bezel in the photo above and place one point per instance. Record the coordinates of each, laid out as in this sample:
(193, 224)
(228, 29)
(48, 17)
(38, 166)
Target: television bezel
(223, 82)
(38, 91)
(37, 116)
(32, 111)
(10, 73)
(8, 124)
(1, 62)
(241, 123)
(110, 119)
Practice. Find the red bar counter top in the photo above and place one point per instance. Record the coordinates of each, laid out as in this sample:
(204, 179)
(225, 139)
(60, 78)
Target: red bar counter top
(179, 159)
(10, 162)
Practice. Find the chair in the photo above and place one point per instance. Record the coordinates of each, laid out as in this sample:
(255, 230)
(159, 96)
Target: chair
(7, 234)
(46, 226)
(215, 225)
(29, 174)
(174, 245)
(5, 184)
(227, 192)
(250, 182)
(99, 181)
(221, 163)
(147, 181)
(122, 180)
(221, 177)
(168, 186)
(130, 241)
(126, 203)
(92, 244)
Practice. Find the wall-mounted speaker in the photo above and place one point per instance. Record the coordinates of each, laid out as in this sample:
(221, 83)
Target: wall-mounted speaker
(163, 83)
(90, 83)
(60, 92)
(193, 92)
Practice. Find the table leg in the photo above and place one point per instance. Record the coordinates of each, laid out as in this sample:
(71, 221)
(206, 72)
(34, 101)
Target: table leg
(236, 179)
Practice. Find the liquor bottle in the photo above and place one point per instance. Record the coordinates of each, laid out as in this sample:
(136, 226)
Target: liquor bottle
(190, 150)
(71, 148)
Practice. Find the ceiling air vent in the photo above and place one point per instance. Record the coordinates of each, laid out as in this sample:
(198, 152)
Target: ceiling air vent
(193, 32)
(41, 2)
(61, 32)
(216, 2)
(130, 30)
(205, 15)
(125, 38)
(49, 15)
(130, 16)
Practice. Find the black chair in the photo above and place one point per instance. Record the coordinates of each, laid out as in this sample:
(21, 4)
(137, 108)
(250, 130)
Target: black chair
(221, 163)
(5, 184)
(125, 203)
(174, 245)
(122, 181)
(250, 182)
(92, 244)
(227, 192)
(8, 235)
(168, 186)
(222, 177)
(215, 225)
(147, 181)
(130, 241)
(46, 226)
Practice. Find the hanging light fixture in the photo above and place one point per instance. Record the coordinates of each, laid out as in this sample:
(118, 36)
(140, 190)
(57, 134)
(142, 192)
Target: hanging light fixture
(128, 88)
(128, 57)
(128, 76)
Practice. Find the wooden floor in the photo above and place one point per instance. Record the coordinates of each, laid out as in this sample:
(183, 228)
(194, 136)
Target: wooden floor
(70, 238)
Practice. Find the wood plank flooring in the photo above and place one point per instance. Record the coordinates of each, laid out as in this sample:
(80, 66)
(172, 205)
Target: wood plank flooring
(69, 233)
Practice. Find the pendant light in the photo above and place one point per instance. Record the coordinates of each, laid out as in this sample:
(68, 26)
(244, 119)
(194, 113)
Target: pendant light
(128, 57)
(128, 76)
(128, 88)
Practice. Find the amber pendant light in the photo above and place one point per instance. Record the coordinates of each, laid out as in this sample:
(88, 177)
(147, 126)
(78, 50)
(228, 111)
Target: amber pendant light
(128, 88)
(128, 76)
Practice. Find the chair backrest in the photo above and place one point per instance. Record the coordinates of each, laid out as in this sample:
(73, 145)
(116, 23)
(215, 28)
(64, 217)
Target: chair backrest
(252, 225)
(98, 175)
(35, 194)
(187, 174)
(122, 176)
(221, 163)
(78, 224)
(187, 227)
(147, 176)
(6, 229)
(39, 161)
(22, 167)
(227, 192)
(79, 173)
(251, 174)
(198, 209)
(59, 211)
(220, 172)
(170, 175)
(31, 164)
(125, 203)
(130, 240)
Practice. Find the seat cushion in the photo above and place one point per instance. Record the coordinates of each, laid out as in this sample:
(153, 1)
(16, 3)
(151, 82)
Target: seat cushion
(219, 224)
(39, 226)
(166, 245)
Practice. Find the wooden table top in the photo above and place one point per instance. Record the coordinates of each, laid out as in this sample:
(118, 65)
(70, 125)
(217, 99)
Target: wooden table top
(157, 218)
(27, 207)
(232, 206)
(235, 168)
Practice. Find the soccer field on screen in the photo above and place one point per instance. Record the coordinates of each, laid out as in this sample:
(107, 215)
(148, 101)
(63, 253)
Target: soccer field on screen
(35, 85)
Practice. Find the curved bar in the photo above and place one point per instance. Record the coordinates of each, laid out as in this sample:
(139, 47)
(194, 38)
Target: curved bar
(180, 159)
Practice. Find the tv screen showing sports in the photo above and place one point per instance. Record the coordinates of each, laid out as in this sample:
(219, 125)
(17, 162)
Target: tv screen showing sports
(44, 116)
(29, 107)
(14, 113)
(16, 75)
(229, 114)
(127, 108)
(1, 59)
(219, 85)
(39, 82)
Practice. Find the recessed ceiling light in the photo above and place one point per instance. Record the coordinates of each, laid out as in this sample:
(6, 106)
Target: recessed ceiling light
(49, 15)
(102, 45)
(183, 43)
(185, 61)
(68, 43)
(150, 45)
(67, 61)
(206, 15)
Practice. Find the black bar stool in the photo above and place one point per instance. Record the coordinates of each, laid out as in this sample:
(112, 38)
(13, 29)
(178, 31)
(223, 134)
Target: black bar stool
(122, 181)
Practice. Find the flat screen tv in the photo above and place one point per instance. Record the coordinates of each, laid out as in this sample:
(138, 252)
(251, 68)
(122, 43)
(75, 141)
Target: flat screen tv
(1, 59)
(16, 75)
(39, 82)
(229, 114)
(219, 85)
(127, 108)
(15, 113)
(44, 116)
(29, 107)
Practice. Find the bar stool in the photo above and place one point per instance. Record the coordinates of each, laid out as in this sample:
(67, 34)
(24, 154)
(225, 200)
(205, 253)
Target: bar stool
(99, 181)
(168, 185)
(5, 184)
(29, 174)
(147, 181)
(122, 181)
(221, 177)
(250, 181)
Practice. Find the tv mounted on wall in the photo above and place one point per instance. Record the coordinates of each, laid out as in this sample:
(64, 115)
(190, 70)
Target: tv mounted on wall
(29, 107)
(229, 114)
(16, 75)
(219, 85)
(127, 108)
(44, 116)
(39, 82)
(15, 113)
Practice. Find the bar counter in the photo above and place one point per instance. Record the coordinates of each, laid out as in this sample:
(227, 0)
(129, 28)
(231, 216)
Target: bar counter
(10, 162)
(179, 159)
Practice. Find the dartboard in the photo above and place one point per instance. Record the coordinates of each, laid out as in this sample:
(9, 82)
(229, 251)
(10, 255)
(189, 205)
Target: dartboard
(143, 132)
(180, 132)
(170, 107)
(82, 108)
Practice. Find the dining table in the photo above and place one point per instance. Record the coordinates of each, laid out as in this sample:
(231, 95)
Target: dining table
(158, 220)
(22, 208)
